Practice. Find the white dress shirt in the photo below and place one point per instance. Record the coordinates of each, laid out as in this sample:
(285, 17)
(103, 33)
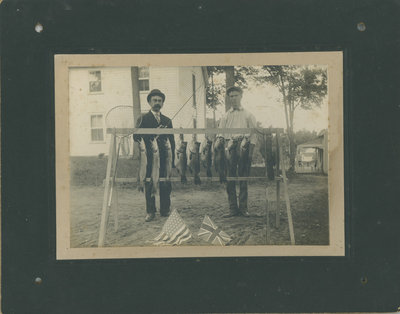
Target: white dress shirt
(156, 115)
(239, 118)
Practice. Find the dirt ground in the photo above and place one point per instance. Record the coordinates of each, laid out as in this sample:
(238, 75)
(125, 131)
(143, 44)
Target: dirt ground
(308, 197)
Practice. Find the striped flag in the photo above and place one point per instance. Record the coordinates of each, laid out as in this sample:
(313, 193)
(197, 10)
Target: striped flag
(174, 231)
(211, 233)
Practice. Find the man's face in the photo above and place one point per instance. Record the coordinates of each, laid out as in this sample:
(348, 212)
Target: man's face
(235, 99)
(156, 103)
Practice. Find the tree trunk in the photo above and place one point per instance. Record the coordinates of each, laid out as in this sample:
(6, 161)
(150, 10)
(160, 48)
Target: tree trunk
(135, 93)
(229, 81)
(292, 144)
(136, 104)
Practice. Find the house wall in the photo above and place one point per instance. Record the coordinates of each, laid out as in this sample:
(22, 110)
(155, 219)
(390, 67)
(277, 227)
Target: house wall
(116, 90)
(185, 117)
(175, 82)
(165, 79)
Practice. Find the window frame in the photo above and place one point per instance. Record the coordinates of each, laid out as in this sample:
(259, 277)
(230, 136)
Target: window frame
(101, 82)
(143, 79)
(91, 141)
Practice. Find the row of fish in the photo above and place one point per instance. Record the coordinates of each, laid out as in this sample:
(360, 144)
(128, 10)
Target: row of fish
(207, 154)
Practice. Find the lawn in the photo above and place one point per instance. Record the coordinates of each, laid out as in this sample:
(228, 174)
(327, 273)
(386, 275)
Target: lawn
(308, 196)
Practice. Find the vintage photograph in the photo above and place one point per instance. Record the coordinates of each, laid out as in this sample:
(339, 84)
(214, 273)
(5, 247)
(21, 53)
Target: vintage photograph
(199, 155)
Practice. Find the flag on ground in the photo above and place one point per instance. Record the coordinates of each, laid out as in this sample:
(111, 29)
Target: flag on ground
(174, 231)
(211, 233)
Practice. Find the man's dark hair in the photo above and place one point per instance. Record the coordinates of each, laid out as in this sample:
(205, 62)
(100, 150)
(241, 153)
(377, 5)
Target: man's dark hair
(234, 89)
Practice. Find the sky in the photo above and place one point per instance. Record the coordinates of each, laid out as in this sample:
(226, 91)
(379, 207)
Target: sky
(265, 103)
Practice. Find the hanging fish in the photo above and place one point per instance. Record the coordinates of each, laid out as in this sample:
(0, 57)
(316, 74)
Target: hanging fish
(168, 160)
(194, 161)
(181, 161)
(220, 159)
(155, 170)
(244, 157)
(206, 156)
(141, 178)
(232, 154)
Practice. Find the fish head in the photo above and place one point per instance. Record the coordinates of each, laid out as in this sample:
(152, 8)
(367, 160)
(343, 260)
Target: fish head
(167, 144)
(245, 143)
(142, 145)
(232, 144)
(219, 143)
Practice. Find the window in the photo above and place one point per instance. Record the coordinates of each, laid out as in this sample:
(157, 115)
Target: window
(144, 82)
(94, 81)
(96, 128)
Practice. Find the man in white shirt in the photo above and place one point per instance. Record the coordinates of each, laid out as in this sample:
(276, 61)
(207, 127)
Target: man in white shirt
(238, 117)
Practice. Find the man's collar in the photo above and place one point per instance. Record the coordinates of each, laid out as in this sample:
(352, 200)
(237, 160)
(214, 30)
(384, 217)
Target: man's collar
(156, 113)
(239, 109)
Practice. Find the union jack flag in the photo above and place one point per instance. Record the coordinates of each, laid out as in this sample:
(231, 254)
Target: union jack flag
(209, 232)
(174, 231)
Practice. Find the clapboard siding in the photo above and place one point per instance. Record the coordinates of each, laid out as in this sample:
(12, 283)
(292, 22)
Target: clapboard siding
(175, 82)
(116, 90)
(186, 91)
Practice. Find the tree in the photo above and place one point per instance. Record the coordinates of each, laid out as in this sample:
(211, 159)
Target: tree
(216, 91)
(304, 136)
(300, 86)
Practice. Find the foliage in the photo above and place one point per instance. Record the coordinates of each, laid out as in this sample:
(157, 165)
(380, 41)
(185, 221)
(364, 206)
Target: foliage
(300, 86)
(304, 136)
(215, 92)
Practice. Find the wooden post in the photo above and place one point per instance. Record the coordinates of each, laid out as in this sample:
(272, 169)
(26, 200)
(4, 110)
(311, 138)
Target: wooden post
(278, 183)
(287, 200)
(267, 231)
(113, 190)
(104, 211)
(135, 93)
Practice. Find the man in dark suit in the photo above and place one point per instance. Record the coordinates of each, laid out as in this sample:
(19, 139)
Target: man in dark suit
(155, 119)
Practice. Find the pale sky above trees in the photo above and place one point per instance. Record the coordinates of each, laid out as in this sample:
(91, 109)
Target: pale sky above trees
(265, 102)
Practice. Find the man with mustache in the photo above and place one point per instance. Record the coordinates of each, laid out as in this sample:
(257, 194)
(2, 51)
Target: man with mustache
(237, 117)
(155, 119)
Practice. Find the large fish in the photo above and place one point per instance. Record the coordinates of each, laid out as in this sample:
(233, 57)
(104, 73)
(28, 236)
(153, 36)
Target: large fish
(181, 161)
(232, 153)
(141, 179)
(155, 169)
(168, 160)
(206, 156)
(244, 157)
(194, 161)
(219, 158)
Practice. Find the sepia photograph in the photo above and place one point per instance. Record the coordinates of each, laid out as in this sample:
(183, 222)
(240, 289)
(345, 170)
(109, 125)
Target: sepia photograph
(199, 155)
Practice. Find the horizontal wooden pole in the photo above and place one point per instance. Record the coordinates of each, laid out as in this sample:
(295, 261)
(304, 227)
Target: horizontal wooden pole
(178, 179)
(191, 131)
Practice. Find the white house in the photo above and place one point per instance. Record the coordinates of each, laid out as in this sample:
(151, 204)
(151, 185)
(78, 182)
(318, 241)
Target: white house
(94, 91)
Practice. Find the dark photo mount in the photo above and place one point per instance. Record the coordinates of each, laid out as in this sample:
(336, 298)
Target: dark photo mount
(366, 279)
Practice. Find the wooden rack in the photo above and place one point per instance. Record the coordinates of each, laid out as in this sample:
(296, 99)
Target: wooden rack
(110, 196)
